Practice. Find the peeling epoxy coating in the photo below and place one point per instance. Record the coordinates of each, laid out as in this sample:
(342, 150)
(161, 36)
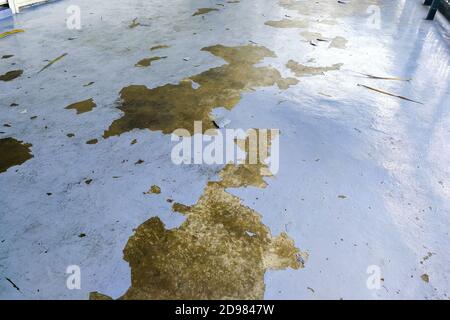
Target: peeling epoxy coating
(11, 75)
(363, 180)
(83, 106)
(302, 70)
(204, 11)
(146, 62)
(160, 46)
(170, 107)
(13, 152)
(287, 23)
(221, 251)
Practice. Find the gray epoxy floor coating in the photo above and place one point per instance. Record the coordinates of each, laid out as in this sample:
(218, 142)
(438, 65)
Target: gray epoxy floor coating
(363, 179)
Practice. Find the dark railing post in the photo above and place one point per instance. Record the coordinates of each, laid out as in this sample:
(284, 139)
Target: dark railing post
(434, 8)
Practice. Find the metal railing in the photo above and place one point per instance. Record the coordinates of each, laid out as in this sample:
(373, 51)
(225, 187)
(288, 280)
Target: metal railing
(435, 5)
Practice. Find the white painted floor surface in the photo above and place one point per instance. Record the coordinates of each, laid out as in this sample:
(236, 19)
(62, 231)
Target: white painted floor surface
(389, 157)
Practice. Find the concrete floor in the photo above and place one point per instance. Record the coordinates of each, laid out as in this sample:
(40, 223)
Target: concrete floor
(363, 179)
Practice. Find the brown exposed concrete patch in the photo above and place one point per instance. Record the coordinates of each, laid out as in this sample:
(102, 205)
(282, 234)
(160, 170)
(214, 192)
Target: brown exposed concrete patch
(134, 24)
(301, 70)
(92, 141)
(174, 106)
(339, 43)
(13, 152)
(284, 84)
(98, 296)
(221, 251)
(336, 42)
(310, 36)
(287, 23)
(204, 11)
(248, 174)
(83, 106)
(160, 46)
(148, 61)
(11, 75)
(154, 189)
(332, 9)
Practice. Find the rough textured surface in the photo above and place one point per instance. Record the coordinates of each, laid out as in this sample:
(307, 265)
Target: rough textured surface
(221, 251)
(82, 106)
(170, 107)
(12, 153)
(363, 177)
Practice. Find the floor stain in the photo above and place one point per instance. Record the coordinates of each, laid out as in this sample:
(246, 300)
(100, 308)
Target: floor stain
(221, 251)
(311, 36)
(246, 175)
(134, 24)
(329, 9)
(154, 189)
(174, 106)
(339, 43)
(204, 11)
(92, 141)
(336, 42)
(83, 106)
(98, 296)
(160, 46)
(13, 152)
(301, 70)
(11, 75)
(148, 61)
(287, 23)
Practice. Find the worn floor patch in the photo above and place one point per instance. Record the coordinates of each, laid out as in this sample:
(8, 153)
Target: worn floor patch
(204, 11)
(159, 46)
(83, 106)
(301, 70)
(148, 61)
(221, 251)
(287, 23)
(339, 43)
(174, 106)
(11, 75)
(13, 152)
(337, 9)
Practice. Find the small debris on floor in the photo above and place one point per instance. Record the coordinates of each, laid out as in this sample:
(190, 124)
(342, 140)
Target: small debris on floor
(82, 106)
(92, 141)
(425, 278)
(389, 94)
(13, 284)
(202, 11)
(52, 62)
(154, 189)
(11, 32)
